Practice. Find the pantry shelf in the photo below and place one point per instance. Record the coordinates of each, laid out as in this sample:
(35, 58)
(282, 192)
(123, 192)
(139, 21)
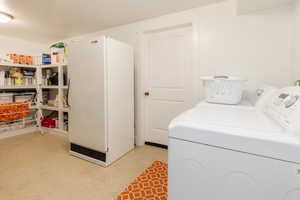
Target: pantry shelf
(56, 93)
(17, 87)
(22, 131)
(33, 107)
(49, 108)
(50, 87)
(18, 65)
(65, 109)
(45, 107)
(57, 130)
(47, 83)
(53, 65)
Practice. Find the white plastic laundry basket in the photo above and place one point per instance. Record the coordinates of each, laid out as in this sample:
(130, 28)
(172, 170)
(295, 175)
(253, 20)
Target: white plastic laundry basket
(223, 89)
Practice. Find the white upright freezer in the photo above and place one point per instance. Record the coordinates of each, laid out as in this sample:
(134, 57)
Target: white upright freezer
(101, 117)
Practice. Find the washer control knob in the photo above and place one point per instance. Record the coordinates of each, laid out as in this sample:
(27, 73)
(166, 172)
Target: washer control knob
(290, 102)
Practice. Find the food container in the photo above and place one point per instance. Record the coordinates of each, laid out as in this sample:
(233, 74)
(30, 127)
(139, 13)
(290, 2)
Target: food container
(46, 59)
(48, 122)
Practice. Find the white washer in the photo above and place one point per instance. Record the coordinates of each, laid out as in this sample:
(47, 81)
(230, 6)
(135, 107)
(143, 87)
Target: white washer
(219, 152)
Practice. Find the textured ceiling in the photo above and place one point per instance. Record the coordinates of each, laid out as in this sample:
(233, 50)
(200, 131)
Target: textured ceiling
(52, 20)
(44, 20)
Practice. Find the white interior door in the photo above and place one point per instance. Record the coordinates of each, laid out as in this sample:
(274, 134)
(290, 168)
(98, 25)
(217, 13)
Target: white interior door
(169, 79)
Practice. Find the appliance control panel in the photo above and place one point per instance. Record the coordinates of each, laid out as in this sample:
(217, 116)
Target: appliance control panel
(284, 108)
(263, 94)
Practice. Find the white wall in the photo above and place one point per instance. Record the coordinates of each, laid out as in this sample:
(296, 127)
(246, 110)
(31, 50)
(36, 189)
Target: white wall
(296, 42)
(256, 46)
(14, 45)
(246, 6)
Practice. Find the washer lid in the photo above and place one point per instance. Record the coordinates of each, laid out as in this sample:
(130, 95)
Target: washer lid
(236, 128)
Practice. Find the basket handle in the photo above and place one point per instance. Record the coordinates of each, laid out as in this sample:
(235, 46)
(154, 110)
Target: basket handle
(221, 77)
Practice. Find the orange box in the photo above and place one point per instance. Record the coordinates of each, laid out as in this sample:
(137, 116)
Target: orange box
(29, 60)
(15, 58)
(9, 55)
(22, 59)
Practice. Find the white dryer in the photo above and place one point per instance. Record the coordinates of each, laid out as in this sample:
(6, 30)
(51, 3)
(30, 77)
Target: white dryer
(219, 152)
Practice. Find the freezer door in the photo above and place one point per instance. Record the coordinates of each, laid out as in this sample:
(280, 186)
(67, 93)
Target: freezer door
(87, 94)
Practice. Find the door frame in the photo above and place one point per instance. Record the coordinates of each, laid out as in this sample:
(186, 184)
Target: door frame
(142, 133)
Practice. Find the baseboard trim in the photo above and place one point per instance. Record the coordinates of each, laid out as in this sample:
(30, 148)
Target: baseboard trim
(156, 145)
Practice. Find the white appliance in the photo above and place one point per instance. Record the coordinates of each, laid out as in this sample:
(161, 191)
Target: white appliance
(101, 119)
(219, 152)
(261, 96)
(223, 89)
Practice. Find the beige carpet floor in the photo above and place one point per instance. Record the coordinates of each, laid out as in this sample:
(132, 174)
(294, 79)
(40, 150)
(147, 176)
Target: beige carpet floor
(35, 167)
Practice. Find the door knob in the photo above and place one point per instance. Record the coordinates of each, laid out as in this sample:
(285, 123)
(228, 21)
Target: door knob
(146, 94)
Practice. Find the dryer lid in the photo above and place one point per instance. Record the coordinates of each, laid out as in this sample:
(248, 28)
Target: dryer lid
(228, 117)
(236, 128)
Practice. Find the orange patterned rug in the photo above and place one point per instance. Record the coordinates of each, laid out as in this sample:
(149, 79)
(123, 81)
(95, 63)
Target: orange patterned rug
(150, 185)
